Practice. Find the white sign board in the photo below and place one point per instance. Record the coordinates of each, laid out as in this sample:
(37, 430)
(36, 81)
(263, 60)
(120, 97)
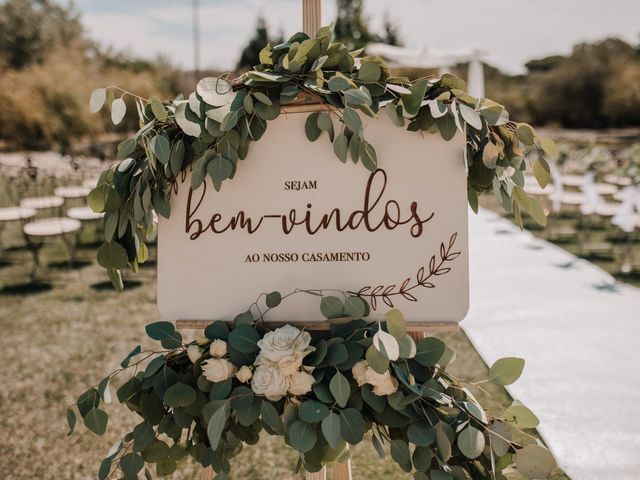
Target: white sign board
(294, 217)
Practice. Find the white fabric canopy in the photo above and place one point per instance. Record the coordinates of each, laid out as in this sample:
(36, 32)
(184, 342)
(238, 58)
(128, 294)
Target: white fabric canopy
(435, 58)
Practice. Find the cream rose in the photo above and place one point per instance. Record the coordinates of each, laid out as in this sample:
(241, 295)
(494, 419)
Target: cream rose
(218, 348)
(194, 353)
(217, 369)
(383, 384)
(270, 382)
(300, 383)
(359, 371)
(282, 343)
(244, 374)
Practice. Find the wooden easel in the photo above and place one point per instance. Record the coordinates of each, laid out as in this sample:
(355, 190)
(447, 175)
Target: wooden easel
(311, 21)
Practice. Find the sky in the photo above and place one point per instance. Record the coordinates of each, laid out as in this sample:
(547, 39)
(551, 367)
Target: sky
(511, 32)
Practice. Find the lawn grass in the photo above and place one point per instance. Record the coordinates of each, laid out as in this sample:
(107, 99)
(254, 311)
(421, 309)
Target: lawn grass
(65, 332)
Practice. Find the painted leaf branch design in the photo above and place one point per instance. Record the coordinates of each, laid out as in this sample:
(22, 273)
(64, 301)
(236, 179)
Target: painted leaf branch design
(423, 278)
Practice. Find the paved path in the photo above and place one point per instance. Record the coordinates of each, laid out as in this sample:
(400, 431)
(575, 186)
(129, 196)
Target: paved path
(580, 336)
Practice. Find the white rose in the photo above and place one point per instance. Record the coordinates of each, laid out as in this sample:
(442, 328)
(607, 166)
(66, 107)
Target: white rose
(218, 348)
(383, 384)
(283, 342)
(194, 353)
(217, 369)
(291, 365)
(300, 383)
(270, 382)
(244, 374)
(359, 371)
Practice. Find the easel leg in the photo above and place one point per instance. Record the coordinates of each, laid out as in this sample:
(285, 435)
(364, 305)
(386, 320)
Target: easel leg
(321, 475)
(206, 474)
(342, 471)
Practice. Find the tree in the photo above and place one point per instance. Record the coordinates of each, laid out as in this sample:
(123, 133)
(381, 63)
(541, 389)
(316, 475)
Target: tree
(391, 34)
(351, 25)
(250, 55)
(31, 28)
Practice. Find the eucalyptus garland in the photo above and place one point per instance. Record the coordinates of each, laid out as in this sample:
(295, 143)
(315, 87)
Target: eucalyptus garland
(321, 391)
(209, 132)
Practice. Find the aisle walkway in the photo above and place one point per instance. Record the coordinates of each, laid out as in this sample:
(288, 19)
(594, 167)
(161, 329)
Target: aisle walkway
(580, 336)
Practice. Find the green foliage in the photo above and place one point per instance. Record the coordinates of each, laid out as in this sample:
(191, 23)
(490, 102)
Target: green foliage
(431, 420)
(213, 129)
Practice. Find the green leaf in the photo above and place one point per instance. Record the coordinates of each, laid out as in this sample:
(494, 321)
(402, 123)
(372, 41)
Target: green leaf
(542, 172)
(331, 429)
(162, 148)
(470, 116)
(163, 380)
(187, 120)
(96, 420)
(400, 454)
(422, 457)
(338, 84)
(311, 127)
(490, 154)
(216, 425)
(324, 122)
(368, 156)
(352, 120)
(179, 395)
(245, 318)
(219, 169)
(429, 351)
(520, 416)
(525, 134)
(157, 451)
(229, 121)
(340, 389)
(369, 72)
(244, 339)
(356, 97)
(302, 436)
(158, 109)
(392, 112)
(549, 147)
(407, 346)
(506, 371)
(71, 421)
(376, 360)
(143, 435)
(160, 330)
(396, 324)
(118, 110)
(535, 461)
(312, 411)
(444, 435)
(377, 445)
(413, 101)
(331, 307)
(471, 442)
(98, 97)
(355, 307)
(387, 345)
(130, 355)
(262, 98)
(421, 433)
(131, 463)
(215, 91)
(352, 426)
(341, 147)
(447, 126)
(270, 416)
(273, 299)
(166, 467)
(112, 255)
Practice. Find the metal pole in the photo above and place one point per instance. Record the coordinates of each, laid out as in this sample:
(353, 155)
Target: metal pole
(196, 38)
(311, 16)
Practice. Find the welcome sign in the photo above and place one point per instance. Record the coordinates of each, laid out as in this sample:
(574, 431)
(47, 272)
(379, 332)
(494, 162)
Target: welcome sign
(294, 217)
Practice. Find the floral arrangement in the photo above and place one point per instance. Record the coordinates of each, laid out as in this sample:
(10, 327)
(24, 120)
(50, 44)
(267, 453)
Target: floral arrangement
(321, 391)
(209, 132)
